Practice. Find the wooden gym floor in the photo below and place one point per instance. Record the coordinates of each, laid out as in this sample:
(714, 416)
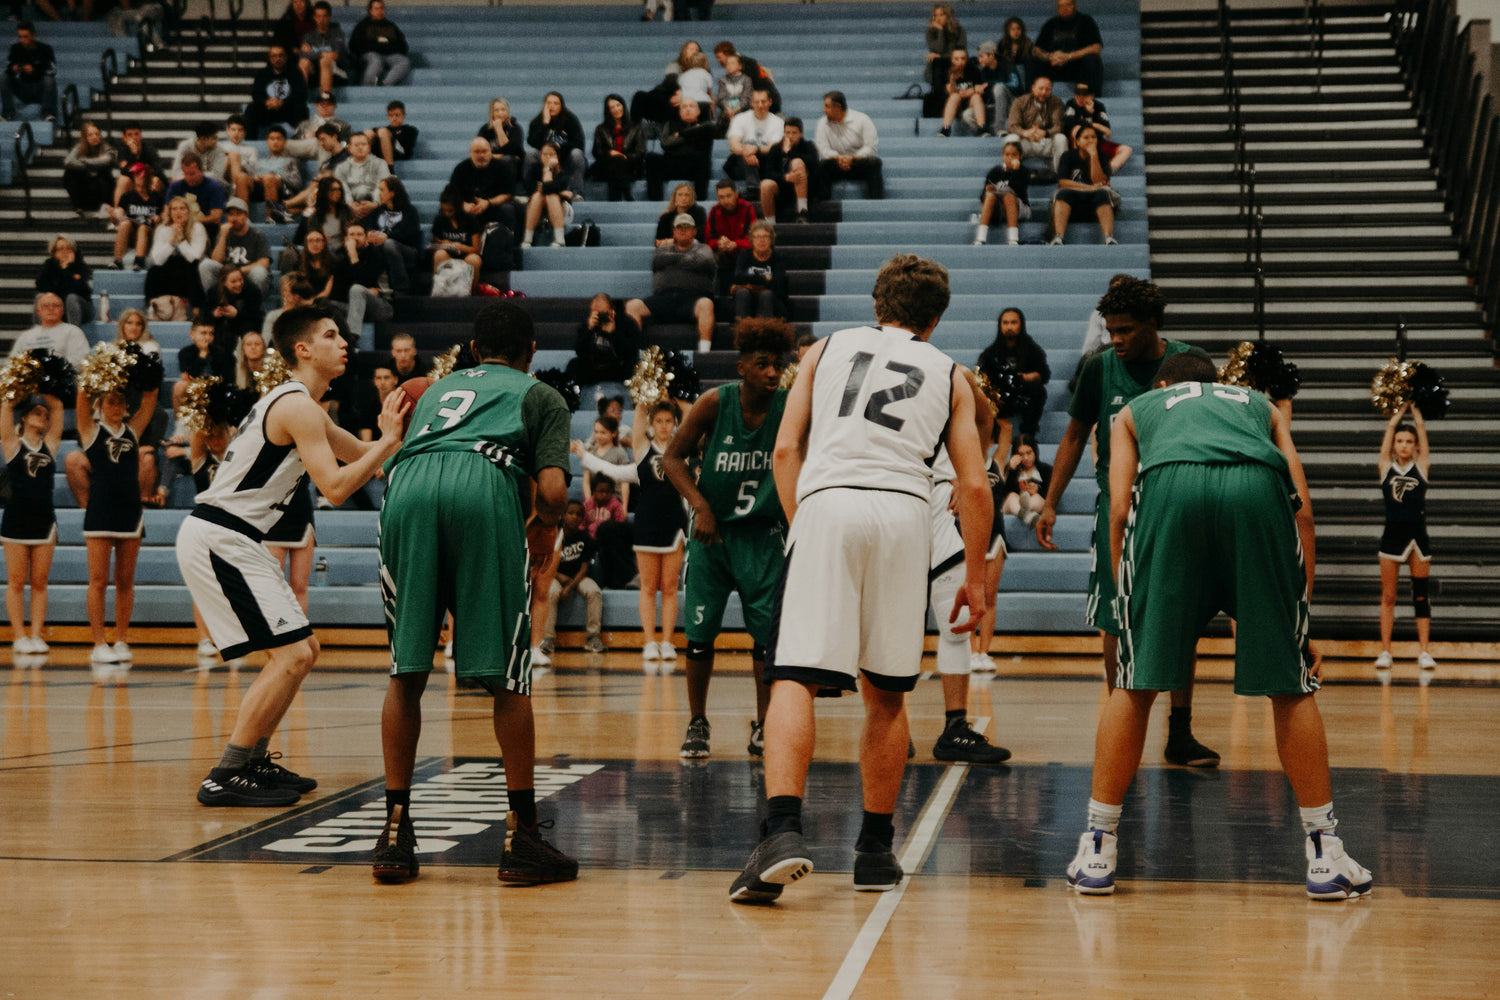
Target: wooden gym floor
(117, 884)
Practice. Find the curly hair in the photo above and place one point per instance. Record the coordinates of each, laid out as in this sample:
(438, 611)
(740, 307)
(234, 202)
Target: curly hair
(911, 292)
(763, 333)
(1134, 297)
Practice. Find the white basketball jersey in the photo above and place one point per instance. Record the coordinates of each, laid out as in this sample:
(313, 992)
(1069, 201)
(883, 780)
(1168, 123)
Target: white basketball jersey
(880, 406)
(256, 478)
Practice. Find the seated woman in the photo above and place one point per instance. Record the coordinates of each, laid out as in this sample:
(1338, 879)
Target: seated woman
(132, 329)
(454, 235)
(684, 199)
(89, 172)
(944, 34)
(316, 264)
(760, 286)
(396, 230)
(235, 307)
(547, 185)
(964, 90)
(1083, 187)
(503, 134)
(1004, 189)
(556, 126)
(619, 150)
(172, 285)
(1026, 482)
(249, 358)
(137, 214)
(65, 275)
(330, 215)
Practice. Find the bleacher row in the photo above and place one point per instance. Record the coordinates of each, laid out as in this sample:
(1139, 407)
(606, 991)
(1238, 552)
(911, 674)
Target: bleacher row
(932, 186)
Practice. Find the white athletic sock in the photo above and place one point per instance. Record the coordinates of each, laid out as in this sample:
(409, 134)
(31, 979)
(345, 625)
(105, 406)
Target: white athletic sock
(530, 235)
(1103, 817)
(1012, 235)
(705, 345)
(981, 234)
(801, 204)
(1318, 818)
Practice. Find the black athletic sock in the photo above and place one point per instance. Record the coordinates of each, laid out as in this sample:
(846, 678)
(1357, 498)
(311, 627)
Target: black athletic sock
(783, 812)
(261, 748)
(235, 757)
(523, 804)
(954, 715)
(1180, 723)
(398, 797)
(876, 832)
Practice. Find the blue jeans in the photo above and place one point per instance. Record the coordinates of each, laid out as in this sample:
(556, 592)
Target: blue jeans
(43, 93)
(394, 67)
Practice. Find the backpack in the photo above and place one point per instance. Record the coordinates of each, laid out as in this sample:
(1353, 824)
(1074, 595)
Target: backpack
(585, 234)
(453, 279)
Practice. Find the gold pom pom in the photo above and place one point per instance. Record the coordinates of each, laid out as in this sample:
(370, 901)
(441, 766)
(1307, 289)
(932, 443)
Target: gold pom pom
(1233, 372)
(20, 378)
(1391, 388)
(649, 382)
(192, 412)
(788, 376)
(273, 372)
(443, 364)
(105, 370)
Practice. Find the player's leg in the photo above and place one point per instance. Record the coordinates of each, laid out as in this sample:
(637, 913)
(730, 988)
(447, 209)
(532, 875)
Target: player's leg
(707, 584)
(958, 740)
(1421, 572)
(882, 760)
(781, 855)
(1390, 575)
(757, 562)
(299, 570)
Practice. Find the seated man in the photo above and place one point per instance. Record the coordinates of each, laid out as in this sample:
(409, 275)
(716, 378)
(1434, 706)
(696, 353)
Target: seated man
(485, 185)
(1004, 85)
(686, 150)
(304, 144)
(240, 246)
(1035, 123)
(30, 74)
(1086, 109)
(787, 172)
(210, 195)
(324, 55)
(406, 361)
(379, 48)
(361, 175)
(847, 145)
(728, 230)
(606, 346)
(133, 150)
(751, 135)
(241, 166)
(396, 140)
(51, 333)
(280, 175)
(682, 283)
(1068, 48)
(278, 96)
(357, 280)
(331, 152)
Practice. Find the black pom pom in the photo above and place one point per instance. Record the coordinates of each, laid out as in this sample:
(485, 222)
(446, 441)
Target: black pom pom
(228, 404)
(685, 384)
(1001, 383)
(146, 370)
(57, 376)
(1428, 394)
(1272, 374)
(566, 387)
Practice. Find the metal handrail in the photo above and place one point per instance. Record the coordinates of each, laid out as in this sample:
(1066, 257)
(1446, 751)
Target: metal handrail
(25, 149)
(1312, 23)
(1400, 340)
(205, 32)
(145, 47)
(236, 8)
(68, 117)
(109, 72)
(1260, 303)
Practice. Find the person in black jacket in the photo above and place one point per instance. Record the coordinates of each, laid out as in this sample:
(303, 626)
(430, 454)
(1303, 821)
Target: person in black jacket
(278, 96)
(378, 46)
(357, 278)
(557, 126)
(619, 150)
(759, 286)
(505, 136)
(234, 305)
(1014, 345)
(486, 187)
(397, 231)
(546, 186)
(607, 344)
(1026, 482)
(30, 74)
(686, 151)
(67, 276)
(788, 171)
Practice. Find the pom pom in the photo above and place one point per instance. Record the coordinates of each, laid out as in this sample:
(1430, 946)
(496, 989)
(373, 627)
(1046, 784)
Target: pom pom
(20, 378)
(682, 377)
(648, 382)
(1001, 384)
(105, 370)
(143, 371)
(563, 383)
(213, 402)
(788, 376)
(273, 372)
(38, 371)
(1260, 366)
(1428, 394)
(1400, 382)
(444, 364)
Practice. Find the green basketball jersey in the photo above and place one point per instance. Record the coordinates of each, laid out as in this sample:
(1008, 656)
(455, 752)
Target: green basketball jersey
(1119, 383)
(735, 474)
(1205, 424)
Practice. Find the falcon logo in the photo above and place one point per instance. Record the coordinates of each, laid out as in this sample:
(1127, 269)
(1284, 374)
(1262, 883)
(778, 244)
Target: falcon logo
(656, 467)
(1402, 485)
(118, 447)
(36, 461)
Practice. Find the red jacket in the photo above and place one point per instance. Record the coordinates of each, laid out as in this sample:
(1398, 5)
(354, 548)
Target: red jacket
(735, 225)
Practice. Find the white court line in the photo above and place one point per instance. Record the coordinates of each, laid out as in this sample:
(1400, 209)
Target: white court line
(918, 844)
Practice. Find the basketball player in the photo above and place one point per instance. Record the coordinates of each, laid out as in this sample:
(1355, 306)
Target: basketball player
(455, 536)
(738, 538)
(235, 582)
(1215, 520)
(863, 424)
(1132, 311)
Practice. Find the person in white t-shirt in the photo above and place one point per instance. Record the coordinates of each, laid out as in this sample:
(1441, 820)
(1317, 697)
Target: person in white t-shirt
(752, 134)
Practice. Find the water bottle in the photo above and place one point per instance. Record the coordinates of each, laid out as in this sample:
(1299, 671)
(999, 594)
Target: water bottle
(320, 572)
(104, 307)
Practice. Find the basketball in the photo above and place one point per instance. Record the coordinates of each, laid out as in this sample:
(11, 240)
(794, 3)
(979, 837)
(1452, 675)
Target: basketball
(413, 387)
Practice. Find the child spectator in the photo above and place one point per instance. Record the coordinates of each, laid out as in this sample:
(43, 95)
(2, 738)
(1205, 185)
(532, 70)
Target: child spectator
(575, 550)
(1004, 186)
(396, 140)
(136, 214)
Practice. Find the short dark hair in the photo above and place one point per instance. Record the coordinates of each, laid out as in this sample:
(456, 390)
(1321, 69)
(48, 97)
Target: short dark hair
(296, 326)
(608, 422)
(663, 406)
(236, 120)
(911, 292)
(204, 130)
(604, 402)
(1133, 297)
(837, 97)
(726, 47)
(323, 5)
(503, 330)
(604, 481)
(807, 340)
(26, 26)
(1186, 367)
(279, 129)
(725, 182)
(327, 128)
(571, 503)
(395, 105)
(193, 158)
(793, 122)
(763, 333)
(303, 289)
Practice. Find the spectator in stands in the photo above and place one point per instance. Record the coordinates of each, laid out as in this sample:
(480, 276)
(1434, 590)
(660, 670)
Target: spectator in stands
(605, 444)
(316, 264)
(357, 281)
(241, 159)
(249, 358)
(133, 329)
(178, 245)
(964, 90)
(324, 55)
(788, 169)
(1026, 482)
(485, 187)
(684, 199)
(89, 171)
(30, 74)
(135, 215)
(1083, 188)
(208, 195)
(396, 140)
(847, 146)
(752, 134)
(330, 214)
(239, 247)
(547, 190)
(619, 150)
(406, 361)
(1004, 187)
(1014, 346)
(682, 283)
(604, 519)
(505, 136)
(1035, 122)
(731, 93)
(235, 307)
(455, 234)
(278, 96)
(1086, 109)
(606, 345)
(295, 291)
(361, 174)
(728, 230)
(306, 143)
(556, 126)
(1067, 48)
(204, 357)
(396, 231)
(331, 153)
(684, 60)
(205, 143)
(696, 84)
(132, 149)
(379, 48)
(944, 34)
(686, 152)
(65, 275)
(760, 77)
(296, 22)
(759, 287)
(280, 174)
(51, 333)
(1015, 46)
(1002, 83)
(576, 551)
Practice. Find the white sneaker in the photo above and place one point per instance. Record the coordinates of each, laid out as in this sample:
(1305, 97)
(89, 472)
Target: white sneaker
(122, 652)
(104, 653)
(1425, 661)
(206, 649)
(667, 650)
(981, 663)
(1092, 870)
(1332, 874)
(651, 651)
(539, 658)
(1055, 241)
(1383, 661)
(39, 646)
(1110, 241)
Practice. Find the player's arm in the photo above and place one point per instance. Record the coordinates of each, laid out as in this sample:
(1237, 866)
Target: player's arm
(1423, 458)
(1124, 457)
(1069, 451)
(298, 418)
(791, 436)
(1281, 430)
(1003, 439)
(1384, 463)
(346, 447)
(144, 413)
(688, 441)
(550, 501)
(976, 508)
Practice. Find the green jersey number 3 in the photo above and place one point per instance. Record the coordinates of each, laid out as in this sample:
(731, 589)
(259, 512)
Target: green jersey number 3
(453, 414)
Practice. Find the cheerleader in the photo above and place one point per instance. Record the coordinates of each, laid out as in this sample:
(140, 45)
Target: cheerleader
(1404, 461)
(112, 521)
(29, 526)
(291, 541)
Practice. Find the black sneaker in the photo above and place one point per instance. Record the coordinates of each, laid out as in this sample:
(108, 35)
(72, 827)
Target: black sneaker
(530, 860)
(396, 861)
(695, 746)
(778, 860)
(802, 216)
(961, 743)
(757, 746)
(237, 786)
(876, 871)
(271, 774)
(1185, 751)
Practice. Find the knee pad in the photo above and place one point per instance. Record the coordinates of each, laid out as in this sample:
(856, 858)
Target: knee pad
(701, 651)
(952, 652)
(1419, 601)
(758, 652)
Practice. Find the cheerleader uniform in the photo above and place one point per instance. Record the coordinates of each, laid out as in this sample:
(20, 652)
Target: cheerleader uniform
(114, 509)
(203, 475)
(660, 519)
(996, 476)
(29, 518)
(295, 528)
(1405, 491)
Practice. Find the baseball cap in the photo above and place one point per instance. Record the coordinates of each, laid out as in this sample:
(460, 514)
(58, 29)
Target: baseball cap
(987, 48)
(684, 219)
(236, 203)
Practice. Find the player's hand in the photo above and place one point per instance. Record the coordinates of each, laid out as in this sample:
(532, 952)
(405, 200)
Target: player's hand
(1317, 662)
(541, 540)
(392, 419)
(705, 528)
(972, 596)
(1044, 525)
